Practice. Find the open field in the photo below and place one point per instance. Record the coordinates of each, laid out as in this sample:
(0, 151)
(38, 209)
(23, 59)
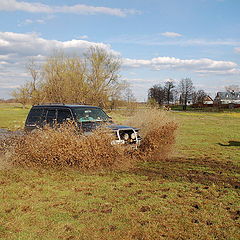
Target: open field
(12, 116)
(192, 195)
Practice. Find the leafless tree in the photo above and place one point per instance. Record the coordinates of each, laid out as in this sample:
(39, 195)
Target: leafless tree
(22, 94)
(169, 91)
(64, 79)
(232, 88)
(102, 74)
(185, 89)
(199, 96)
(157, 93)
(91, 79)
(35, 71)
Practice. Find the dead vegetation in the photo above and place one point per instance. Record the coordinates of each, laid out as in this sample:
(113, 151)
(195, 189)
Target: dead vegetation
(182, 197)
(158, 131)
(64, 147)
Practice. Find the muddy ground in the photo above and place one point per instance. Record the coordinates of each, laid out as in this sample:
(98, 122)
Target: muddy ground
(202, 171)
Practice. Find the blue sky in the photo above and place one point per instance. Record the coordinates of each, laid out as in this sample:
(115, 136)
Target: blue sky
(157, 40)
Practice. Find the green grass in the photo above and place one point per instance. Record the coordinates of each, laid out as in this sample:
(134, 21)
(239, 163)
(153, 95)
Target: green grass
(205, 109)
(203, 135)
(193, 195)
(12, 116)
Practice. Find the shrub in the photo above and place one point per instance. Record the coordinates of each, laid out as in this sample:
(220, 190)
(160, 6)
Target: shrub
(158, 133)
(64, 146)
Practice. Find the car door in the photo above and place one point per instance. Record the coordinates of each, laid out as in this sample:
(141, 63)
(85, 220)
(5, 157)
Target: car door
(64, 115)
(51, 117)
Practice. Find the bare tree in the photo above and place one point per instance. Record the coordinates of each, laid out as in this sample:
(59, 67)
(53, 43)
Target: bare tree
(22, 94)
(129, 96)
(65, 79)
(232, 88)
(92, 79)
(157, 93)
(169, 91)
(102, 74)
(35, 71)
(185, 89)
(199, 96)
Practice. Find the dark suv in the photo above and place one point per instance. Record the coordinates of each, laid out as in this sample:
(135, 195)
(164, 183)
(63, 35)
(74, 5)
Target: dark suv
(87, 118)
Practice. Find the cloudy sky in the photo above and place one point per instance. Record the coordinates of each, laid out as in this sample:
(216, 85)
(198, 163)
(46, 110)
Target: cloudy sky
(157, 39)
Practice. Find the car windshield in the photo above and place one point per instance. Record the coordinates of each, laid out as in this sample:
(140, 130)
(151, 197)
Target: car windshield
(90, 114)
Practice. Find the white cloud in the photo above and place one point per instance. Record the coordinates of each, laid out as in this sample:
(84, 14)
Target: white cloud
(202, 42)
(5, 85)
(237, 49)
(158, 40)
(14, 5)
(17, 48)
(171, 34)
(28, 21)
(203, 65)
(83, 37)
(169, 80)
(38, 21)
(139, 80)
(232, 71)
(31, 44)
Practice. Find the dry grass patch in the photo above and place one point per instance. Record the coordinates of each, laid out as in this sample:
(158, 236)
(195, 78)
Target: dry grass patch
(158, 131)
(64, 146)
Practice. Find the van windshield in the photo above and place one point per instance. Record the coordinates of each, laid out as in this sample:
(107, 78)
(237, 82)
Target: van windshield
(90, 114)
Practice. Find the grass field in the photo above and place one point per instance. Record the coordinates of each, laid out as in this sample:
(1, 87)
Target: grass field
(12, 116)
(192, 195)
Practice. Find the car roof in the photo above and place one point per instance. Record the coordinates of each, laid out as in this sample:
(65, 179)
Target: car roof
(63, 106)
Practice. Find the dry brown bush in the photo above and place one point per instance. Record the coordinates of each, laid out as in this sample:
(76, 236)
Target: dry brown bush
(63, 147)
(6, 148)
(158, 132)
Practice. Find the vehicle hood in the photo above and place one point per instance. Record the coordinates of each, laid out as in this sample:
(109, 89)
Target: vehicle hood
(116, 127)
(90, 126)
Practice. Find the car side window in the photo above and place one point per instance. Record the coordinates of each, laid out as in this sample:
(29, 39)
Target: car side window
(44, 113)
(51, 116)
(63, 115)
(34, 116)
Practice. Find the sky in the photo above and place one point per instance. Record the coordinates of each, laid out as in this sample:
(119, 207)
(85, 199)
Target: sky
(157, 40)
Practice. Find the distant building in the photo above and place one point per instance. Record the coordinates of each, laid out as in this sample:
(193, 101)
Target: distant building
(227, 98)
(208, 100)
(189, 100)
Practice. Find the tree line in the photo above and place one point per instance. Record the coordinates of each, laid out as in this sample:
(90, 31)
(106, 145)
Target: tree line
(171, 93)
(92, 79)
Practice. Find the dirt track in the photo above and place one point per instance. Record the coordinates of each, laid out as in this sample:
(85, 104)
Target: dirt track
(203, 171)
(6, 136)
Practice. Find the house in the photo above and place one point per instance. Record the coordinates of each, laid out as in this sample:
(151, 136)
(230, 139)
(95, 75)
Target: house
(189, 100)
(227, 98)
(207, 100)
